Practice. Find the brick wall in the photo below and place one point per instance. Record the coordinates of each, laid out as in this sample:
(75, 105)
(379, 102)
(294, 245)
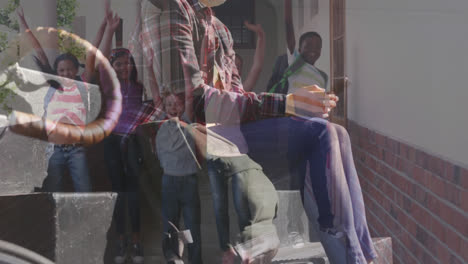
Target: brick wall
(418, 199)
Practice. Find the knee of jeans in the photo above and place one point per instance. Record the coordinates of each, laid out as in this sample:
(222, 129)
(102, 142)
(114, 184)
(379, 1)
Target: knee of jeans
(341, 131)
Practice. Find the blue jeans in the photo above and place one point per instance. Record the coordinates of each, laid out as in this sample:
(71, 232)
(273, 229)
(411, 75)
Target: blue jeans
(180, 194)
(72, 158)
(293, 143)
(123, 168)
(309, 144)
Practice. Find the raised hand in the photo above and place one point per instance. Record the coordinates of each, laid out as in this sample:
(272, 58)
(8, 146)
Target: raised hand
(113, 21)
(257, 28)
(311, 101)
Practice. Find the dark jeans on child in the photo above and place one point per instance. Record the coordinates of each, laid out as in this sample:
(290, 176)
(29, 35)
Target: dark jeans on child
(73, 159)
(180, 194)
(123, 165)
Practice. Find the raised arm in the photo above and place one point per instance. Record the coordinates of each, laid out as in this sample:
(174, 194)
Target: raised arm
(288, 20)
(91, 53)
(113, 21)
(41, 55)
(259, 57)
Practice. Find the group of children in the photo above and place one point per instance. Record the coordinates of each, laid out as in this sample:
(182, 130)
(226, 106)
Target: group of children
(68, 103)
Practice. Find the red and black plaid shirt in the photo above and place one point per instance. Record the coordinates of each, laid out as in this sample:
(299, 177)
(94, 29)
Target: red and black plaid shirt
(188, 49)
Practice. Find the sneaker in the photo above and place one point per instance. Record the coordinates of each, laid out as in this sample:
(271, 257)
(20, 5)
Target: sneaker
(332, 232)
(296, 240)
(137, 253)
(121, 255)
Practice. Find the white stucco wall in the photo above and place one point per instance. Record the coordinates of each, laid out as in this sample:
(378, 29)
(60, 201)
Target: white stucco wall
(408, 63)
(94, 12)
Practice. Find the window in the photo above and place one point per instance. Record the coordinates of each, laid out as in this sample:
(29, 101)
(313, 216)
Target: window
(232, 14)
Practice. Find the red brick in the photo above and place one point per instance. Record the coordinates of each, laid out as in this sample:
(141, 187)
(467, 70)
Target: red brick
(448, 171)
(428, 176)
(403, 150)
(464, 199)
(427, 258)
(407, 204)
(436, 185)
(371, 163)
(418, 174)
(436, 165)
(433, 204)
(363, 132)
(410, 153)
(410, 225)
(389, 191)
(460, 222)
(414, 247)
(421, 159)
(464, 178)
(464, 246)
(418, 194)
(445, 213)
(453, 241)
(455, 260)
(380, 139)
(390, 159)
(420, 216)
(408, 245)
(401, 184)
(402, 251)
(371, 136)
(398, 252)
(404, 166)
(374, 151)
(391, 145)
(442, 253)
(452, 194)
(438, 229)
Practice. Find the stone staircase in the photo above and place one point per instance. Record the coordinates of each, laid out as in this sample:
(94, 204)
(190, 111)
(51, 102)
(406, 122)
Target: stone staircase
(77, 228)
(63, 227)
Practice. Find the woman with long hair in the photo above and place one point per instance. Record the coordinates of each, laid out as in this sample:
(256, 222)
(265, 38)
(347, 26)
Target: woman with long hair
(123, 160)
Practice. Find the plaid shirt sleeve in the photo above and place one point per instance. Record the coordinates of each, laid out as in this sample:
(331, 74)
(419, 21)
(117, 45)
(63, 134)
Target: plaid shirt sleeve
(147, 113)
(185, 32)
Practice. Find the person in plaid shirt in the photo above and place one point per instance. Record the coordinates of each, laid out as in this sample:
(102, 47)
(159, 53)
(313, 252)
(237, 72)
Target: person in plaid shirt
(189, 50)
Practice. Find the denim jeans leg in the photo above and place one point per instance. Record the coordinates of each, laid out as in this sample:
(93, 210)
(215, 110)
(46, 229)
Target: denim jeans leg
(317, 153)
(132, 174)
(241, 200)
(113, 159)
(78, 167)
(55, 170)
(170, 202)
(335, 248)
(357, 201)
(297, 162)
(192, 217)
(219, 190)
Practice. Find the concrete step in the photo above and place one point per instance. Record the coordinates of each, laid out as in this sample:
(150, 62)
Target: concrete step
(63, 227)
(313, 252)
